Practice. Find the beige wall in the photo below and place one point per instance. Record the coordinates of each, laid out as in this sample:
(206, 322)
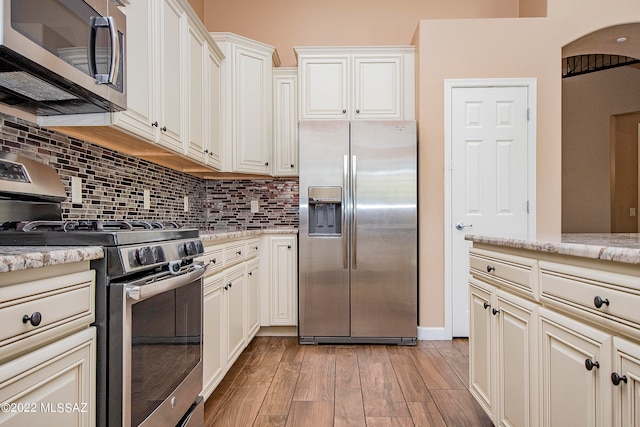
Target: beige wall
(288, 23)
(588, 103)
(497, 48)
(198, 7)
(448, 48)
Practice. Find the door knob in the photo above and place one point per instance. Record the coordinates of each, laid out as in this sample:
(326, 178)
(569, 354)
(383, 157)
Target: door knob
(461, 226)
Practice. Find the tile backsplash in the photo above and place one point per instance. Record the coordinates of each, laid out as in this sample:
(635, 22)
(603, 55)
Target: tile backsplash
(113, 185)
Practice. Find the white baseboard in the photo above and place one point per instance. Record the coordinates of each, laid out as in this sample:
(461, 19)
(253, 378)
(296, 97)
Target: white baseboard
(435, 334)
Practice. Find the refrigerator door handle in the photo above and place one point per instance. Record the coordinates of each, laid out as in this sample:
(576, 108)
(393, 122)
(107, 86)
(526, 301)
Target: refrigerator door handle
(345, 198)
(354, 210)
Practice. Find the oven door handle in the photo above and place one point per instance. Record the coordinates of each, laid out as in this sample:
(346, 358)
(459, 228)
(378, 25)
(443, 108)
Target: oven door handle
(142, 292)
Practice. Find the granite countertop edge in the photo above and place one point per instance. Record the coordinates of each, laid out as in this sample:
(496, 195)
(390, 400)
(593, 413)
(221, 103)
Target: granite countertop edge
(16, 258)
(618, 247)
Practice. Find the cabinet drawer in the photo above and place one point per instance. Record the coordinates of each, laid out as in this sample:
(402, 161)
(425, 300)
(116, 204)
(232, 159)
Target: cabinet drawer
(60, 304)
(234, 253)
(213, 258)
(505, 270)
(596, 294)
(253, 247)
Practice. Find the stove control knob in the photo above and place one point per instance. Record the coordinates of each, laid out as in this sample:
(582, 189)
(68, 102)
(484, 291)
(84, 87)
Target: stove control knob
(158, 254)
(144, 256)
(190, 248)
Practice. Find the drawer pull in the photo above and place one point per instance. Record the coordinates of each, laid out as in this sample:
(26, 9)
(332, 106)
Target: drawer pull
(35, 319)
(490, 269)
(590, 364)
(617, 379)
(486, 305)
(212, 261)
(238, 252)
(494, 311)
(598, 302)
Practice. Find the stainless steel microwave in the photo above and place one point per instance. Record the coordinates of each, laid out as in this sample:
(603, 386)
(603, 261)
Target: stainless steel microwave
(62, 56)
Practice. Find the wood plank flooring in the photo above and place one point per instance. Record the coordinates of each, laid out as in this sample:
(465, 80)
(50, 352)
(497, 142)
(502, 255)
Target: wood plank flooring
(278, 383)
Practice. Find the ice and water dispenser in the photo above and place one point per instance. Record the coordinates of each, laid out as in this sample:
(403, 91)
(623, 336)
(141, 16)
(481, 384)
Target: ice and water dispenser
(325, 211)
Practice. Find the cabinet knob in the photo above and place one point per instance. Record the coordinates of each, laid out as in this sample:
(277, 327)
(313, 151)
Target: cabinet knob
(35, 319)
(154, 124)
(213, 261)
(164, 128)
(344, 111)
(251, 273)
(599, 302)
(494, 311)
(288, 246)
(266, 163)
(616, 379)
(357, 111)
(292, 165)
(206, 151)
(590, 364)
(486, 305)
(490, 269)
(238, 252)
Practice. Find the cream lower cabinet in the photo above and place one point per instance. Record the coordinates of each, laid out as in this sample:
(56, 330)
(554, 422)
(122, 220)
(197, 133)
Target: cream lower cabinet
(280, 291)
(625, 379)
(52, 386)
(576, 364)
(213, 368)
(253, 298)
(234, 301)
(503, 354)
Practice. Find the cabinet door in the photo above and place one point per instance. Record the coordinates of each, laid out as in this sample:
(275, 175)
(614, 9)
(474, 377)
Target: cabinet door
(212, 149)
(324, 87)
(252, 119)
(284, 281)
(285, 122)
(377, 87)
(234, 308)
(142, 91)
(625, 379)
(517, 349)
(172, 78)
(574, 378)
(62, 373)
(482, 373)
(212, 351)
(253, 299)
(196, 66)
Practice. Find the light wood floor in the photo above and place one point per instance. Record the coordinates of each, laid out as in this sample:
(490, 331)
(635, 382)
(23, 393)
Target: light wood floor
(277, 382)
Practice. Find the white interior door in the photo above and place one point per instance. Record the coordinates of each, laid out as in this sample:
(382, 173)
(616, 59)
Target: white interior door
(489, 178)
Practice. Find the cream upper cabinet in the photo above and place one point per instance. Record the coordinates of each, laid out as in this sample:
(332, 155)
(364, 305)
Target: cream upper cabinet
(368, 83)
(212, 144)
(285, 122)
(246, 77)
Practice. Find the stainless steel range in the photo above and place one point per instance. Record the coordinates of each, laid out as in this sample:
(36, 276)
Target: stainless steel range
(148, 298)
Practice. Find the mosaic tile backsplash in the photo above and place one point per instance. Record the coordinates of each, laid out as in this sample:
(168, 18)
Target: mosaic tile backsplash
(113, 185)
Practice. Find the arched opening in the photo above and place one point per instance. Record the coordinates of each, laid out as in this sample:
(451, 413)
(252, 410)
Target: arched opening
(600, 118)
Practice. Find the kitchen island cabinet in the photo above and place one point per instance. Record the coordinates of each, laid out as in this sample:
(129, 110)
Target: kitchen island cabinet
(582, 329)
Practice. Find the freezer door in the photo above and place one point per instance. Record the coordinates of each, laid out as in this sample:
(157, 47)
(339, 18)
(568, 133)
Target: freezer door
(384, 229)
(323, 247)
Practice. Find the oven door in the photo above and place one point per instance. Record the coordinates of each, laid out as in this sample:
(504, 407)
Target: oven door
(159, 374)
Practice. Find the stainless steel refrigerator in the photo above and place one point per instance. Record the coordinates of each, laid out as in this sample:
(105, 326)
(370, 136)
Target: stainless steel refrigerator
(358, 232)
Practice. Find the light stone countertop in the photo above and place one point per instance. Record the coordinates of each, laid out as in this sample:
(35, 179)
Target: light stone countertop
(208, 236)
(619, 247)
(15, 258)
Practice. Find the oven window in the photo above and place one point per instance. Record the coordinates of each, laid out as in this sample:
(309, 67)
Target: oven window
(165, 346)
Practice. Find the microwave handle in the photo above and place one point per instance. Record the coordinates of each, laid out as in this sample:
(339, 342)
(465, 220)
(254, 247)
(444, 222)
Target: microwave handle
(100, 22)
(142, 292)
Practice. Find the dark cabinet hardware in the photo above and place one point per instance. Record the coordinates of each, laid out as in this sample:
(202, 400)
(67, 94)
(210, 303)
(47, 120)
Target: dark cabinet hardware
(266, 163)
(213, 261)
(154, 124)
(598, 302)
(288, 246)
(486, 305)
(494, 311)
(590, 364)
(292, 165)
(344, 111)
(164, 128)
(238, 252)
(490, 269)
(357, 111)
(35, 319)
(616, 379)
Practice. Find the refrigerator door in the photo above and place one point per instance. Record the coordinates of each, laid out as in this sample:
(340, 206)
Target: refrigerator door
(384, 229)
(323, 248)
